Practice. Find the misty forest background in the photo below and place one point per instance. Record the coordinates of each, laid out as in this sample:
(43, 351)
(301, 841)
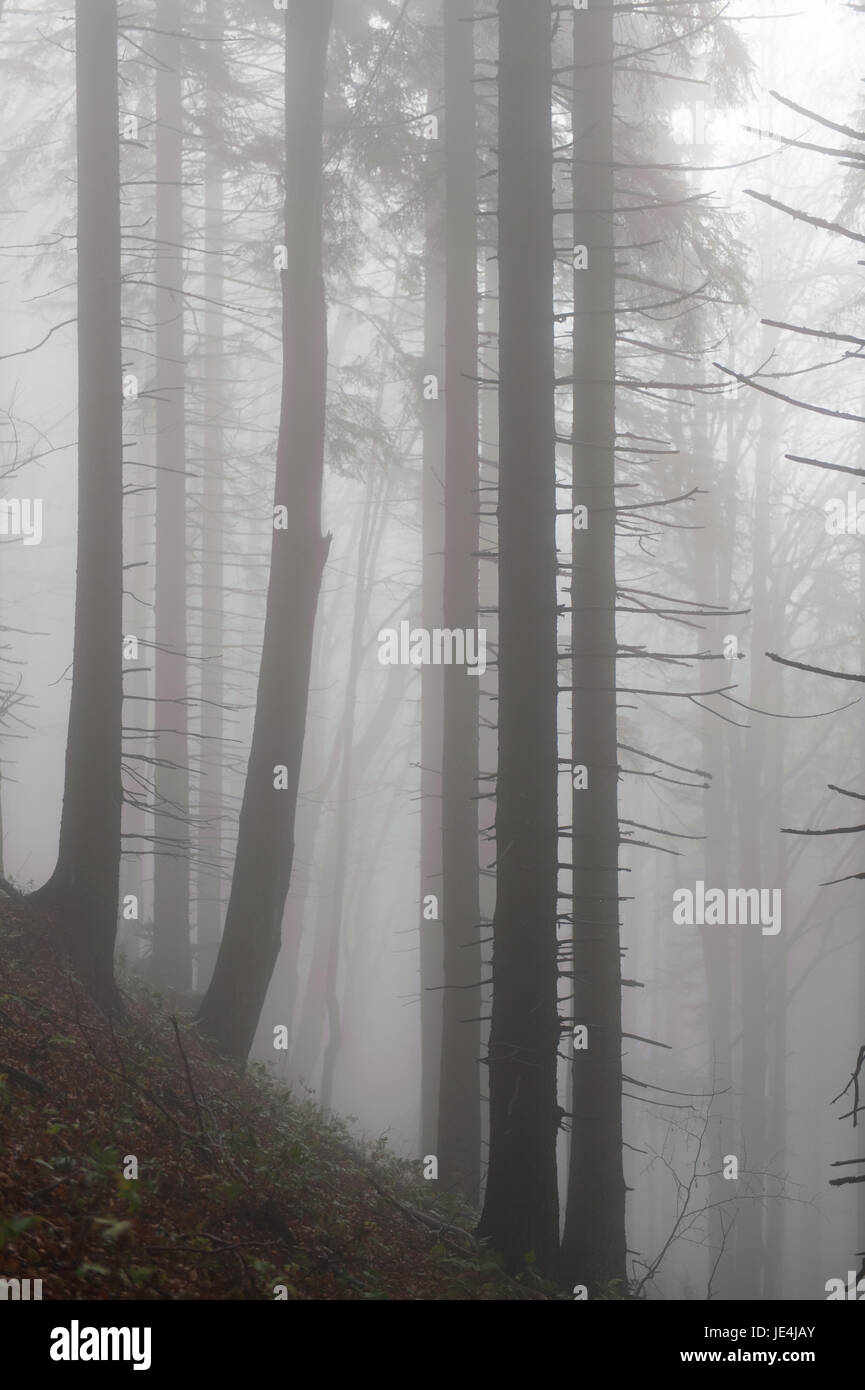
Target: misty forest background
(539, 319)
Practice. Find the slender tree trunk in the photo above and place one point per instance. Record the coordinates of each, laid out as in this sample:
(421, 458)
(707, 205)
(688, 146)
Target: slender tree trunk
(265, 847)
(281, 1003)
(432, 696)
(459, 1095)
(593, 1251)
(171, 964)
(211, 805)
(750, 1236)
(712, 564)
(776, 1147)
(138, 619)
(488, 599)
(85, 883)
(520, 1215)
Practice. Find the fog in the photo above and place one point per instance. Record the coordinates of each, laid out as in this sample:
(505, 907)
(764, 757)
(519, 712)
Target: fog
(735, 567)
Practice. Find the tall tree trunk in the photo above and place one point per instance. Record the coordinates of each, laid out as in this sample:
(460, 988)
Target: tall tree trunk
(776, 1145)
(208, 919)
(750, 1237)
(488, 609)
(712, 559)
(85, 883)
(459, 1136)
(265, 845)
(593, 1251)
(520, 1215)
(432, 697)
(171, 964)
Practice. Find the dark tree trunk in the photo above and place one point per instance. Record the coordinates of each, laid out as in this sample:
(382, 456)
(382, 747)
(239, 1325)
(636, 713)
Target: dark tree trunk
(593, 1251)
(171, 963)
(265, 846)
(84, 887)
(520, 1215)
(432, 589)
(307, 1048)
(208, 917)
(459, 1094)
(431, 723)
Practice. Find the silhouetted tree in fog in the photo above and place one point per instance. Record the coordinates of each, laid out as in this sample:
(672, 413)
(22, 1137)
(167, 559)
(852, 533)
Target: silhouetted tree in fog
(208, 919)
(520, 1215)
(265, 846)
(85, 883)
(593, 1247)
(171, 961)
(459, 1096)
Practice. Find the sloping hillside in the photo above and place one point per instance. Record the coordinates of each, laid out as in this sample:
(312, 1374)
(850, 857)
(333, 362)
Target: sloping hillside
(243, 1191)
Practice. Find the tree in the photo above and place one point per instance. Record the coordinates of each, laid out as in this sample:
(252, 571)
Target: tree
(265, 845)
(83, 888)
(171, 962)
(459, 1093)
(208, 919)
(520, 1215)
(853, 159)
(432, 599)
(593, 1246)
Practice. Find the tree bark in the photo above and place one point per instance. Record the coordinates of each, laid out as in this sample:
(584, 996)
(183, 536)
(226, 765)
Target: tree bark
(265, 846)
(432, 696)
(459, 1093)
(593, 1250)
(171, 962)
(84, 886)
(208, 917)
(520, 1215)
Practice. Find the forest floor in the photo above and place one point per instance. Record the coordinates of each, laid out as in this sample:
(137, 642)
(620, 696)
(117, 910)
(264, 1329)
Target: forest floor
(243, 1190)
